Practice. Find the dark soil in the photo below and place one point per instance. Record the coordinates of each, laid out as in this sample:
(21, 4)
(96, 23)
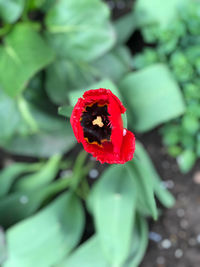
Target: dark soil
(175, 237)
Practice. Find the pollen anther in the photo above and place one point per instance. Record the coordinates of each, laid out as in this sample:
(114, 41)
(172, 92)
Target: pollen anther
(98, 121)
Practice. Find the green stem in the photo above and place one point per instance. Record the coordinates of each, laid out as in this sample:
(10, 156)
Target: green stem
(25, 11)
(5, 29)
(26, 114)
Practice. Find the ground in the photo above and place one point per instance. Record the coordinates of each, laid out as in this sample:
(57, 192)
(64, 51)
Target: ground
(175, 237)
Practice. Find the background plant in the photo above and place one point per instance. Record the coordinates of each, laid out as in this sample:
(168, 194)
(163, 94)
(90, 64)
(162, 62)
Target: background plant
(177, 45)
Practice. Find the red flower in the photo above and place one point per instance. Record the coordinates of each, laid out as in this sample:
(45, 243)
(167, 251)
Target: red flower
(97, 124)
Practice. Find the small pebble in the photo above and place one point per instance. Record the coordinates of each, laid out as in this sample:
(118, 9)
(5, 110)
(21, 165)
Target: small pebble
(173, 239)
(23, 199)
(66, 173)
(182, 234)
(93, 173)
(178, 253)
(198, 239)
(192, 242)
(160, 260)
(155, 237)
(180, 213)
(166, 244)
(184, 224)
(168, 184)
(196, 177)
(92, 158)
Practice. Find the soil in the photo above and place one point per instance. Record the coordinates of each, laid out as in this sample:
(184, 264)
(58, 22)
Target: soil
(174, 240)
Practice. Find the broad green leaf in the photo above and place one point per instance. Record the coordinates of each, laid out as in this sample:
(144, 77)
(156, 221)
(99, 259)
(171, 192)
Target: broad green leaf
(55, 136)
(125, 26)
(11, 10)
(10, 117)
(156, 11)
(65, 111)
(161, 193)
(145, 188)
(123, 52)
(112, 65)
(46, 144)
(18, 206)
(53, 233)
(139, 243)
(9, 174)
(23, 54)
(153, 97)
(76, 32)
(89, 254)
(61, 77)
(3, 249)
(41, 178)
(114, 201)
(186, 160)
(105, 83)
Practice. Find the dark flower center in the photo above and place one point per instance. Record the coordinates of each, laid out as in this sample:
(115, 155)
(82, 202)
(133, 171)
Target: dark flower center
(95, 123)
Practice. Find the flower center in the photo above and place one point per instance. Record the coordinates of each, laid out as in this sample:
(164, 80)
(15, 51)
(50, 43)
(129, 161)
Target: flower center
(98, 121)
(96, 124)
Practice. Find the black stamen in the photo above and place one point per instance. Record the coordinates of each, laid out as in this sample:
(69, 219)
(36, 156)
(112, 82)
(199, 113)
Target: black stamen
(95, 132)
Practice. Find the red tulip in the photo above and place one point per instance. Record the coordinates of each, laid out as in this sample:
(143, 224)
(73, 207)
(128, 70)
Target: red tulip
(97, 124)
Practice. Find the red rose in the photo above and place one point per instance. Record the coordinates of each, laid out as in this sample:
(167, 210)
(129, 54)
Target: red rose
(97, 124)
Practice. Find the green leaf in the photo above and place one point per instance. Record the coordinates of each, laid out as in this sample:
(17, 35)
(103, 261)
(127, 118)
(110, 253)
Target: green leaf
(89, 254)
(125, 26)
(105, 83)
(117, 58)
(161, 193)
(55, 231)
(153, 97)
(186, 160)
(23, 54)
(18, 206)
(8, 113)
(139, 243)
(65, 111)
(55, 136)
(145, 188)
(76, 32)
(156, 11)
(3, 249)
(9, 174)
(46, 144)
(41, 178)
(61, 77)
(11, 10)
(190, 124)
(114, 201)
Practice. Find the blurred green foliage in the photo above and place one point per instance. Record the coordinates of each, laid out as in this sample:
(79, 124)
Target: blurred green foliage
(177, 45)
(50, 53)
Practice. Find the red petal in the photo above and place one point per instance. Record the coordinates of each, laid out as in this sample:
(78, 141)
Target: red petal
(128, 147)
(106, 153)
(101, 93)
